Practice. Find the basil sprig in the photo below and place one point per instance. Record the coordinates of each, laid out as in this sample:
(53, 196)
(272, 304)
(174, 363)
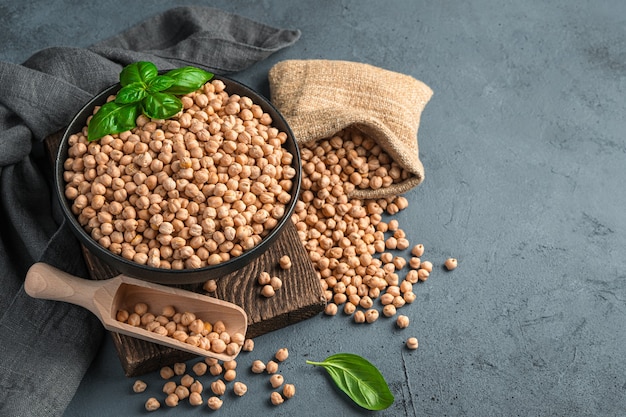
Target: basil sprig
(359, 379)
(145, 91)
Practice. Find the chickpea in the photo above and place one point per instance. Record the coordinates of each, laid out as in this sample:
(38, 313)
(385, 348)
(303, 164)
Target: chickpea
(402, 322)
(276, 380)
(172, 400)
(214, 403)
(169, 387)
(412, 343)
(330, 309)
(215, 369)
(285, 262)
(282, 354)
(181, 392)
(271, 367)
(139, 386)
(166, 372)
(267, 291)
(248, 345)
(218, 387)
(200, 368)
(276, 398)
(240, 389)
(186, 380)
(451, 263)
(289, 390)
(418, 250)
(359, 317)
(264, 278)
(152, 404)
(371, 315)
(258, 367)
(210, 286)
(195, 399)
(389, 310)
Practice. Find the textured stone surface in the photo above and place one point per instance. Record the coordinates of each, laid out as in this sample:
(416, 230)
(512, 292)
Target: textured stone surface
(525, 155)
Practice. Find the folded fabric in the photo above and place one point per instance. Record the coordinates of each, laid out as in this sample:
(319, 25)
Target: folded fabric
(319, 98)
(45, 346)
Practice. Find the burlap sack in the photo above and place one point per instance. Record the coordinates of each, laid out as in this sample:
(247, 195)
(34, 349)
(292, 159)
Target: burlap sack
(319, 98)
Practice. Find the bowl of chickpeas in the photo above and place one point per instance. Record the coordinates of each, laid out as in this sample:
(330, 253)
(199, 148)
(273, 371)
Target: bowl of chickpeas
(186, 199)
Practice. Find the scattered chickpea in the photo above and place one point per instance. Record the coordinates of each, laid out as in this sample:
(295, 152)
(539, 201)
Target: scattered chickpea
(359, 317)
(215, 369)
(248, 345)
(258, 367)
(228, 365)
(418, 250)
(179, 368)
(276, 283)
(427, 265)
(412, 343)
(218, 387)
(276, 398)
(264, 278)
(182, 392)
(371, 315)
(285, 262)
(389, 310)
(139, 386)
(422, 274)
(186, 380)
(210, 286)
(330, 309)
(152, 404)
(196, 387)
(214, 403)
(289, 390)
(200, 368)
(271, 367)
(276, 380)
(195, 399)
(451, 263)
(282, 354)
(402, 322)
(230, 375)
(267, 291)
(239, 388)
(172, 400)
(169, 387)
(166, 372)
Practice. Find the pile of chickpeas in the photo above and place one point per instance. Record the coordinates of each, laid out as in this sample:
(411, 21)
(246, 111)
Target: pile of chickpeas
(354, 251)
(184, 327)
(194, 190)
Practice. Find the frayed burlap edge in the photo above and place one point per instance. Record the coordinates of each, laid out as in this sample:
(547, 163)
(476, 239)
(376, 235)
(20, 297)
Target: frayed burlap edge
(319, 98)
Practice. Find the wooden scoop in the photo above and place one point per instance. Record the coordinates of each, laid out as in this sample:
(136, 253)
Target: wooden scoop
(105, 297)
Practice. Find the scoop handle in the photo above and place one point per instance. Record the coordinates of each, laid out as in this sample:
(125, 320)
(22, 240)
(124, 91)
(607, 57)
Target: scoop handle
(49, 283)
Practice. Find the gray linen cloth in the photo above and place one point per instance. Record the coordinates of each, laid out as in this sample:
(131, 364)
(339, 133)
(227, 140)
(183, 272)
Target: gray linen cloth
(46, 346)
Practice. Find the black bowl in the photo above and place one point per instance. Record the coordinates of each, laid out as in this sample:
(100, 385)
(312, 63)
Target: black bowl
(183, 276)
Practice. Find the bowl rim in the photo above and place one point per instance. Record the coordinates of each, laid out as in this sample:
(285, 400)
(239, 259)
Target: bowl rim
(175, 276)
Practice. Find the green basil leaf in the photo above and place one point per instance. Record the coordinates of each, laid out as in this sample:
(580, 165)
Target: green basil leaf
(112, 118)
(359, 379)
(138, 72)
(161, 105)
(160, 83)
(187, 80)
(132, 93)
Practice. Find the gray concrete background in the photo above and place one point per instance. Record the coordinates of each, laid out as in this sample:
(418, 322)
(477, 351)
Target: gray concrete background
(524, 149)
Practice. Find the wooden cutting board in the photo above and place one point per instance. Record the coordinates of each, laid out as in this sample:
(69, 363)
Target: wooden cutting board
(300, 297)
